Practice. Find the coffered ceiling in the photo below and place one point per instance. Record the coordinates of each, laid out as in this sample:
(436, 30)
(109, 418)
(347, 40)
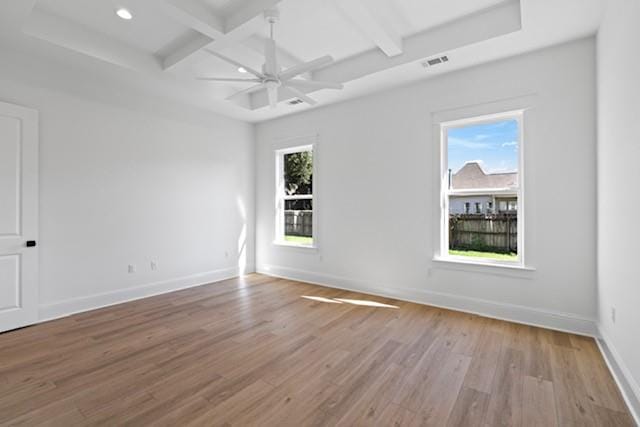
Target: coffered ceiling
(376, 43)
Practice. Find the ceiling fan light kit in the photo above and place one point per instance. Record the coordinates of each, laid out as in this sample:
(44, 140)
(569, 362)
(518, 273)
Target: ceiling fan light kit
(276, 82)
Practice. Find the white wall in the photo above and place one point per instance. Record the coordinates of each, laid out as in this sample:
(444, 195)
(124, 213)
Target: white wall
(618, 181)
(377, 200)
(123, 186)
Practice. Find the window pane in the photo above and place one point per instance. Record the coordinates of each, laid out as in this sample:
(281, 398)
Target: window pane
(295, 202)
(483, 172)
(298, 173)
(298, 205)
(298, 221)
(483, 156)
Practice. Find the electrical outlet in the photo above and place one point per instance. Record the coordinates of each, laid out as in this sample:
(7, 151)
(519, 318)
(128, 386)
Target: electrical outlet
(154, 265)
(613, 314)
(132, 268)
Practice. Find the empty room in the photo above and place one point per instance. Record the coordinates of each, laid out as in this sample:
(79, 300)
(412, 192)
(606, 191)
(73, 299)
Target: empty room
(319, 212)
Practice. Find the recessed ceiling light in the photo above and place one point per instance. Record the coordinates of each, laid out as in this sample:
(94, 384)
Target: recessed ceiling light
(124, 13)
(242, 70)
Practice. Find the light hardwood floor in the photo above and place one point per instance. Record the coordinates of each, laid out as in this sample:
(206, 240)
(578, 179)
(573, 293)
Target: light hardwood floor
(271, 352)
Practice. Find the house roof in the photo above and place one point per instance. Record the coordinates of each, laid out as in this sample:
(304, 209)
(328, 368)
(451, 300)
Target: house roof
(472, 176)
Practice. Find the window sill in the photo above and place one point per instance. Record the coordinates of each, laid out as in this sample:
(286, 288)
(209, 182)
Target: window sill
(498, 268)
(295, 245)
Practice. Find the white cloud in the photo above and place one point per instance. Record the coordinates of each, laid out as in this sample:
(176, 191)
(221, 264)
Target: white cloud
(472, 145)
(510, 144)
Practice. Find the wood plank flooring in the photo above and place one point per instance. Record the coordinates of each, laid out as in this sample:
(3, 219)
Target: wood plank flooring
(271, 352)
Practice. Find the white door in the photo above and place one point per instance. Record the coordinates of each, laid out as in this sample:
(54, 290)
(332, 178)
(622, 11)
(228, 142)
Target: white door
(18, 216)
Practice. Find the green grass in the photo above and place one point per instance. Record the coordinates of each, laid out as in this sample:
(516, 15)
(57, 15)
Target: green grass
(301, 240)
(486, 255)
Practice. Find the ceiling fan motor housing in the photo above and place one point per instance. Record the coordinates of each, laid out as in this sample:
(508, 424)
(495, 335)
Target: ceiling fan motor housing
(276, 82)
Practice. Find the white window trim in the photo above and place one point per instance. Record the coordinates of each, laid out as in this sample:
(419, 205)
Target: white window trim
(311, 145)
(487, 113)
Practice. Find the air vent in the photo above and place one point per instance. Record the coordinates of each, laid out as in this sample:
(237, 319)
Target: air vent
(435, 61)
(295, 102)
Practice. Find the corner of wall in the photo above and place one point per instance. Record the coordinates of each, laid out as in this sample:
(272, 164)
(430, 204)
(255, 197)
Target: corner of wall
(621, 374)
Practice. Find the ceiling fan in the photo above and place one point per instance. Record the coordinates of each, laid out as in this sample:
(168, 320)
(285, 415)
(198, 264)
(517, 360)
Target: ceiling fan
(272, 78)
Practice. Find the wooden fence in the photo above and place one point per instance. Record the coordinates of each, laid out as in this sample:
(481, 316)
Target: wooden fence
(298, 223)
(495, 233)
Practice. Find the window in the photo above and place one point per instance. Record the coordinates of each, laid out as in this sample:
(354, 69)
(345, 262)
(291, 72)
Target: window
(294, 196)
(481, 160)
(510, 205)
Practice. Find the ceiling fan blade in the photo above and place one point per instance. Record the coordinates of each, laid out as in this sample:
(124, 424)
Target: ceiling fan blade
(228, 79)
(313, 84)
(234, 62)
(303, 68)
(271, 61)
(247, 91)
(272, 91)
(301, 95)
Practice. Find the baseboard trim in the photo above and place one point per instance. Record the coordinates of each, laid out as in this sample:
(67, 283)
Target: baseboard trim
(626, 383)
(68, 307)
(510, 312)
(564, 322)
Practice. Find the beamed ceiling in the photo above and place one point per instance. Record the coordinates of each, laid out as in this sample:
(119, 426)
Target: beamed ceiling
(376, 43)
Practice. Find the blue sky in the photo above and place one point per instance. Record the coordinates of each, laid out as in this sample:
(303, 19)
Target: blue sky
(495, 145)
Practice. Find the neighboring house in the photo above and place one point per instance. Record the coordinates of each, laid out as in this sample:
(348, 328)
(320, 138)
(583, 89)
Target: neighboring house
(473, 191)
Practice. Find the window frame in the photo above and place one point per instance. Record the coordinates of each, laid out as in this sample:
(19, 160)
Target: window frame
(281, 198)
(445, 192)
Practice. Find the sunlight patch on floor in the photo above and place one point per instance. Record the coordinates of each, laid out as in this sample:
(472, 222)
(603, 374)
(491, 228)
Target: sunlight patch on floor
(362, 302)
(366, 303)
(321, 299)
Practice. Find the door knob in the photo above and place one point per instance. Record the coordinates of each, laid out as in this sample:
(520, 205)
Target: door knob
(31, 243)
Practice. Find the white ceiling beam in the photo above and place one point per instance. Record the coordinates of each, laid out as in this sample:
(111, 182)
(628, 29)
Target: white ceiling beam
(496, 21)
(223, 33)
(76, 37)
(372, 26)
(195, 16)
(196, 44)
(189, 48)
(251, 10)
